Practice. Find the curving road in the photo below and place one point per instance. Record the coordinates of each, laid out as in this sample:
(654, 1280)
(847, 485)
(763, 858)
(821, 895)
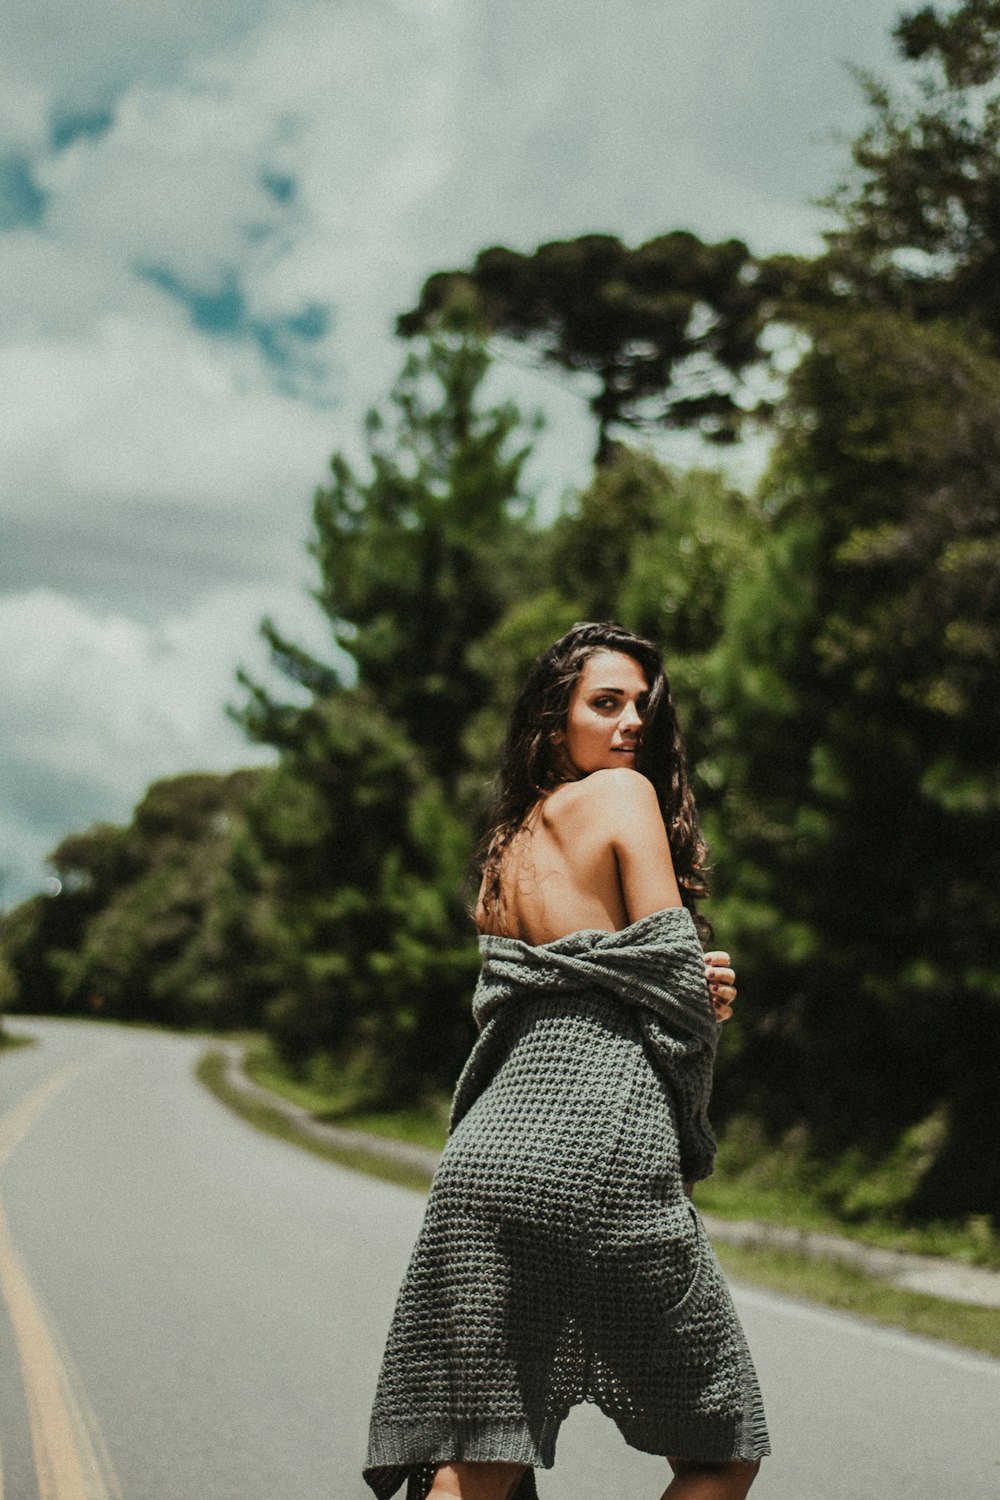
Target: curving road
(193, 1311)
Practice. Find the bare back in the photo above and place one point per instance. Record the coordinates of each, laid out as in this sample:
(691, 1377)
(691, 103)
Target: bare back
(591, 854)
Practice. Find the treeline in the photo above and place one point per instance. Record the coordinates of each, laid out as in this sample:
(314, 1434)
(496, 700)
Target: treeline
(832, 639)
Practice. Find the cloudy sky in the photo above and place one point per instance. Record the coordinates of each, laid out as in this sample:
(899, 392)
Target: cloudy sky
(210, 212)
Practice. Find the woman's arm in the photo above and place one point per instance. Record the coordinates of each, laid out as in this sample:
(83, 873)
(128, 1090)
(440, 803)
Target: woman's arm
(646, 870)
(636, 833)
(645, 867)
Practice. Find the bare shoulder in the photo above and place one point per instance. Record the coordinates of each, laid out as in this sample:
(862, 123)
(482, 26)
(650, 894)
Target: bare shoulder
(609, 797)
(620, 789)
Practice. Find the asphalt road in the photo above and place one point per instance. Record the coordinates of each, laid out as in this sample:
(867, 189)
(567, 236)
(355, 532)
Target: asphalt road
(192, 1311)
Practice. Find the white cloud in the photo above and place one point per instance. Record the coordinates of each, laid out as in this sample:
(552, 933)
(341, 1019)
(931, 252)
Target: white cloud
(97, 705)
(175, 181)
(23, 113)
(82, 54)
(146, 408)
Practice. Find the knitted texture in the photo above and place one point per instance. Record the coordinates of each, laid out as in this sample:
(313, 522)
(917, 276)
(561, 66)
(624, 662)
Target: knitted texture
(559, 1260)
(655, 965)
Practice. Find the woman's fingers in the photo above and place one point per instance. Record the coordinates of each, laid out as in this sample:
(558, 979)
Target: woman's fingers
(721, 979)
(721, 983)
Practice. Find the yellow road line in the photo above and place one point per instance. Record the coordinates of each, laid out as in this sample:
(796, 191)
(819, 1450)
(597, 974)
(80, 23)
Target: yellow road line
(65, 1459)
(66, 1454)
(18, 1121)
(85, 1417)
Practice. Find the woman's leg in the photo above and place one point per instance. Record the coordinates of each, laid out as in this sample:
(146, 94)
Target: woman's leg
(475, 1481)
(706, 1481)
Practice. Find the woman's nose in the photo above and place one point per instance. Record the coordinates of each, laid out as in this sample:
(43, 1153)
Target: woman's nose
(630, 718)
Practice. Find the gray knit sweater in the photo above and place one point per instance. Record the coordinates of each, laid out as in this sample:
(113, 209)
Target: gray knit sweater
(559, 1259)
(655, 966)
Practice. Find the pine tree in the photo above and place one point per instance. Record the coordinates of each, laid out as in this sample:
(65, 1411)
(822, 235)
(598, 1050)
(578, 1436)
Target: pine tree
(358, 850)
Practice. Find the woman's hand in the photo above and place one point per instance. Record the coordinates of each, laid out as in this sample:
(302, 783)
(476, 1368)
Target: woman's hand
(721, 984)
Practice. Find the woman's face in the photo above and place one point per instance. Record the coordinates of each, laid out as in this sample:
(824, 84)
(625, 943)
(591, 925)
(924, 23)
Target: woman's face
(604, 720)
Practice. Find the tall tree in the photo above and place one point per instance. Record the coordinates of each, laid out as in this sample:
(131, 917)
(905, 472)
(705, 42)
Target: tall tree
(920, 212)
(853, 718)
(669, 328)
(357, 849)
(863, 811)
(417, 559)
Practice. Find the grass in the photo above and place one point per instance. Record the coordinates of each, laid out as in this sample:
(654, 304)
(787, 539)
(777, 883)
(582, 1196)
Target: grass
(335, 1099)
(741, 1195)
(817, 1280)
(319, 1097)
(421, 1126)
(8, 1041)
(211, 1071)
(851, 1290)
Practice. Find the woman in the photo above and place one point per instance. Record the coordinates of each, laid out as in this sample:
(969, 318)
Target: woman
(561, 1259)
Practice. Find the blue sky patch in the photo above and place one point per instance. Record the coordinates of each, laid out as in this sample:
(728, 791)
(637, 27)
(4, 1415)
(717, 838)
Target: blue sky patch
(280, 185)
(22, 201)
(67, 126)
(222, 313)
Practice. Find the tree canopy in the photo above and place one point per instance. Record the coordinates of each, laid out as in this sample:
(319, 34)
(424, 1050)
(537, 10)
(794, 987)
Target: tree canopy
(668, 328)
(919, 212)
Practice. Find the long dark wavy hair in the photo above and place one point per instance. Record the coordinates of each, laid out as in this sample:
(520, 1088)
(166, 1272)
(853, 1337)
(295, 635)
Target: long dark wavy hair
(531, 762)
